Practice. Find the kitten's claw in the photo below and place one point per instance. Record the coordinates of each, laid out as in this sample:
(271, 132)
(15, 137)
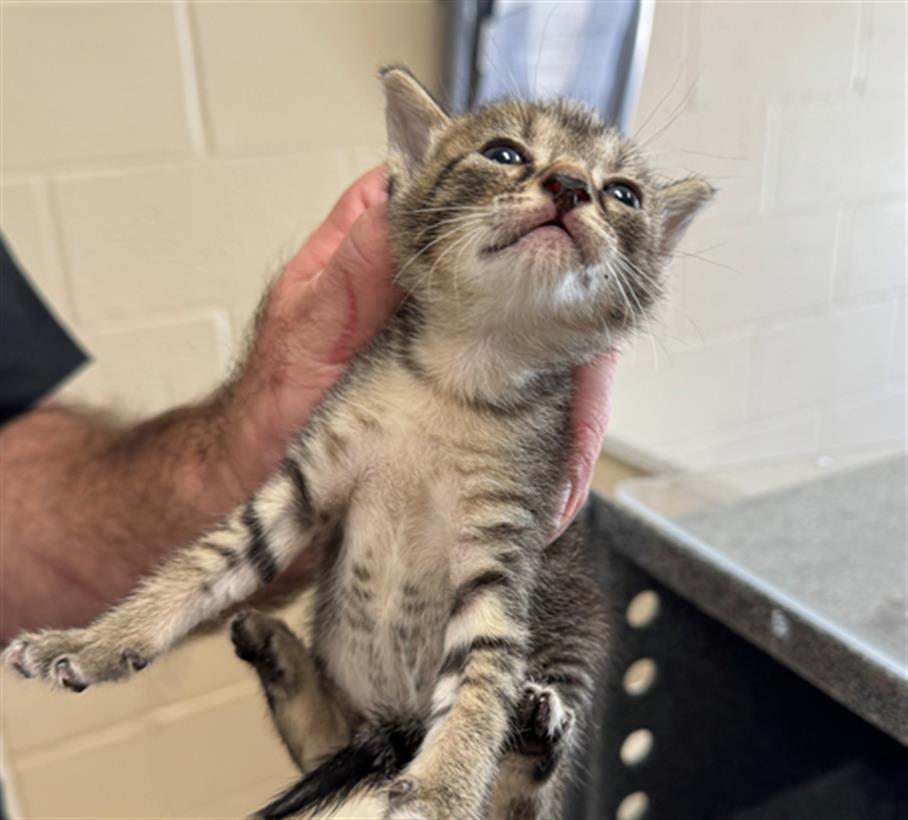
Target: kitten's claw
(133, 660)
(66, 673)
(15, 657)
(414, 797)
(405, 805)
(399, 789)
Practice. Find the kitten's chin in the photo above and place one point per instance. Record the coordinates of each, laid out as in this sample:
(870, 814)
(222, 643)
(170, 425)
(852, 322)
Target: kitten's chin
(533, 270)
(544, 284)
(550, 240)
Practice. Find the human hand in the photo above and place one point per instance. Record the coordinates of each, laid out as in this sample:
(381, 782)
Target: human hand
(330, 299)
(591, 408)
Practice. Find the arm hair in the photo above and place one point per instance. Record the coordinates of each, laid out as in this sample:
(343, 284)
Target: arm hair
(88, 505)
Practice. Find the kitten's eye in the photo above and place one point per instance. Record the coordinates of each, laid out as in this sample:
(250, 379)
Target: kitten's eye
(624, 194)
(505, 154)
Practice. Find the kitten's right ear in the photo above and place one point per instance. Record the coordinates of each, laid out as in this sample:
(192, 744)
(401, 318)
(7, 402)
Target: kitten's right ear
(412, 118)
(680, 202)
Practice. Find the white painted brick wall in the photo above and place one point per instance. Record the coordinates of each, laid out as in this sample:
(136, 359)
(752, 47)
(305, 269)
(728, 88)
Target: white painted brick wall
(808, 362)
(791, 51)
(792, 287)
(209, 232)
(740, 282)
(871, 252)
(656, 382)
(62, 103)
(824, 153)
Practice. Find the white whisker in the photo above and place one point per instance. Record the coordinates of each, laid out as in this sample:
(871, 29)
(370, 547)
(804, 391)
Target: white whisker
(422, 250)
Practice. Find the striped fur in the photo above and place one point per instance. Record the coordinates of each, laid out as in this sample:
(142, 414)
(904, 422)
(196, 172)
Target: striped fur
(453, 652)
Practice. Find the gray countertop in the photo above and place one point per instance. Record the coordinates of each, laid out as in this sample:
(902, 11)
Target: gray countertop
(811, 565)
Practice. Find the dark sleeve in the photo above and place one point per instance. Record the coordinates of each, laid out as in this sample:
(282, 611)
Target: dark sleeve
(36, 353)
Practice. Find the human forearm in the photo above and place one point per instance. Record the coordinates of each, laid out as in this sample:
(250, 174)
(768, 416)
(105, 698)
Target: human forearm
(88, 505)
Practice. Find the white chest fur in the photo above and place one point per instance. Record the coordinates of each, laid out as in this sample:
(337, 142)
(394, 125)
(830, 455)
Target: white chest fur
(382, 629)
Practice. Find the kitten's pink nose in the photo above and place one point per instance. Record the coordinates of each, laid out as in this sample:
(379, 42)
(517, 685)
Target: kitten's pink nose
(567, 191)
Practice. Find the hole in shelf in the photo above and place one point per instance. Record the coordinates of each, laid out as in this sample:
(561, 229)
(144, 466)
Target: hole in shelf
(636, 747)
(643, 609)
(633, 807)
(640, 676)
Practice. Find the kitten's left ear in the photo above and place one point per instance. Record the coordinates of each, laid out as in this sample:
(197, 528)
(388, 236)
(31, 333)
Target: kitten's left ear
(680, 203)
(412, 118)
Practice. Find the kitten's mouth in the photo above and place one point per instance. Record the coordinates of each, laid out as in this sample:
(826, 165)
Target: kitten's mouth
(557, 223)
(554, 223)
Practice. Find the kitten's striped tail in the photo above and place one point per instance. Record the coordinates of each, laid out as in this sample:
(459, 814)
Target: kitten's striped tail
(378, 753)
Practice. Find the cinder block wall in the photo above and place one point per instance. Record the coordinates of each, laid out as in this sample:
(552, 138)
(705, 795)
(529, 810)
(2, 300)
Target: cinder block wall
(159, 161)
(786, 330)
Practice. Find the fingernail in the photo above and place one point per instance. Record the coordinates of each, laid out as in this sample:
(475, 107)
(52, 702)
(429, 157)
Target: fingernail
(564, 501)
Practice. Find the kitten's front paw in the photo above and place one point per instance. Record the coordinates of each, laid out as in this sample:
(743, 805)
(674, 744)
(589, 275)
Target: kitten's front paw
(46, 655)
(72, 659)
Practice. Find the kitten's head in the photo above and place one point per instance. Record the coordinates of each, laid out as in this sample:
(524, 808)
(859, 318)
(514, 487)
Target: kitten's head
(532, 218)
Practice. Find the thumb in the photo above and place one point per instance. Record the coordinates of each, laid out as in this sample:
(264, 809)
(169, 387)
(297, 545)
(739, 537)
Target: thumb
(592, 404)
(353, 296)
(309, 330)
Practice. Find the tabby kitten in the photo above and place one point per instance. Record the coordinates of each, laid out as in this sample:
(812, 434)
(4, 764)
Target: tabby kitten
(454, 653)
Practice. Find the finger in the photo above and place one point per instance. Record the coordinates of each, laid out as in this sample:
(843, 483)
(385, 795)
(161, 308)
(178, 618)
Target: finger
(592, 403)
(590, 413)
(355, 294)
(370, 189)
(311, 328)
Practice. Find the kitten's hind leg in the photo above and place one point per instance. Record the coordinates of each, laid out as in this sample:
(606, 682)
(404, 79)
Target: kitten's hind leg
(310, 718)
(569, 631)
(253, 544)
(531, 777)
(543, 729)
